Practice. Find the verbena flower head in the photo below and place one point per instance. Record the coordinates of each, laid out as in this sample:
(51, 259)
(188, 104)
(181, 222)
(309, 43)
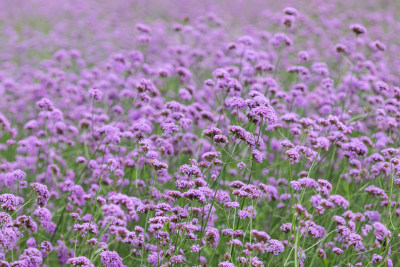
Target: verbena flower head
(80, 261)
(42, 192)
(9, 202)
(111, 259)
(358, 29)
(96, 94)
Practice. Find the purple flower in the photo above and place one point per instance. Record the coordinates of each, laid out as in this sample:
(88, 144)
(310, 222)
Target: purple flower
(376, 258)
(244, 214)
(170, 128)
(267, 114)
(46, 246)
(321, 253)
(31, 242)
(111, 259)
(373, 216)
(260, 236)
(339, 200)
(178, 259)
(337, 251)
(80, 261)
(235, 102)
(355, 239)
(376, 191)
(96, 94)
(257, 156)
(212, 236)
(42, 192)
(358, 29)
(293, 155)
(9, 202)
(111, 165)
(226, 264)
(45, 104)
(381, 232)
(195, 194)
(31, 257)
(275, 247)
(195, 248)
(290, 11)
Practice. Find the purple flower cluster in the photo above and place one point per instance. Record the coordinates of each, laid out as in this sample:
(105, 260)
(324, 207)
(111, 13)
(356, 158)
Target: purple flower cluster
(140, 133)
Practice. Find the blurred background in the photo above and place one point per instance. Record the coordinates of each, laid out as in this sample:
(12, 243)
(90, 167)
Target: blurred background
(35, 29)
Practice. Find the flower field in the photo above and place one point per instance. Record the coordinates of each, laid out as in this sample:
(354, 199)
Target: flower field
(199, 133)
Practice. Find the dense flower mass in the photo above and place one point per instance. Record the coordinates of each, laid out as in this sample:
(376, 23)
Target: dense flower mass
(199, 133)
